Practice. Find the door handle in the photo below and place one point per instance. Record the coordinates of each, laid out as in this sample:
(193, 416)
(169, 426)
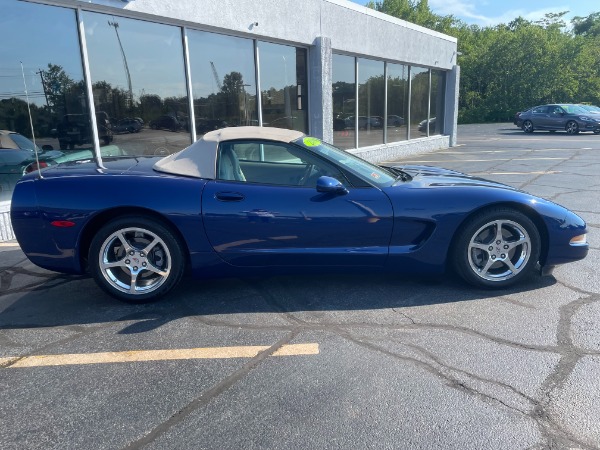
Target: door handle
(229, 196)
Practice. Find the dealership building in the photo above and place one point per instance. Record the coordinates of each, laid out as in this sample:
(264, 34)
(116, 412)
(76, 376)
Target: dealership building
(111, 78)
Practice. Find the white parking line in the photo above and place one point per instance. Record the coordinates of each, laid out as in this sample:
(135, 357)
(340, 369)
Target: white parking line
(516, 173)
(483, 160)
(16, 362)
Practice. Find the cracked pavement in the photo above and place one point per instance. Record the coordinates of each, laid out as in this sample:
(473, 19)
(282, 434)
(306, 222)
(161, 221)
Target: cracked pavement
(403, 363)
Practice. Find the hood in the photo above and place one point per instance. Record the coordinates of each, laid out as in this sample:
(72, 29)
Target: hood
(425, 176)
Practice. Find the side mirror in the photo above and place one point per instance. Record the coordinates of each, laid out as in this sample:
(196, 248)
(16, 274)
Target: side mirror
(329, 185)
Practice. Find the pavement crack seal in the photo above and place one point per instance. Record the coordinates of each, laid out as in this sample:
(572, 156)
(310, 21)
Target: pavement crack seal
(439, 372)
(211, 393)
(552, 431)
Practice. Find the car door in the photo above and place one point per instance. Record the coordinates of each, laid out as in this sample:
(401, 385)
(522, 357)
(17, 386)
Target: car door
(272, 214)
(555, 118)
(540, 117)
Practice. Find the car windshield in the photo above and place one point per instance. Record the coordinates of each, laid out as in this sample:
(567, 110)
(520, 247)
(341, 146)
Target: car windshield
(591, 108)
(23, 142)
(376, 175)
(574, 109)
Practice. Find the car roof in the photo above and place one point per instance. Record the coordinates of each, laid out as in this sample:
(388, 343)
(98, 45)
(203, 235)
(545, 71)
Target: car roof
(199, 160)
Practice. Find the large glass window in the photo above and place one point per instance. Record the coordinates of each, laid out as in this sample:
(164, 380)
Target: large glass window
(45, 40)
(436, 104)
(283, 86)
(397, 98)
(419, 101)
(223, 81)
(344, 101)
(137, 72)
(371, 102)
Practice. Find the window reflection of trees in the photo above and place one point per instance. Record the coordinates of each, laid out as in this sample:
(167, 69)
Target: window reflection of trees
(149, 86)
(419, 101)
(223, 80)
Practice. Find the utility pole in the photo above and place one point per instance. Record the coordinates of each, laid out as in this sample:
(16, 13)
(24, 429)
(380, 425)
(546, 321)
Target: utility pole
(41, 74)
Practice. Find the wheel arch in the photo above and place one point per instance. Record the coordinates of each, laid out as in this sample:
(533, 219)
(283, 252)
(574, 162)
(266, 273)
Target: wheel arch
(532, 214)
(104, 217)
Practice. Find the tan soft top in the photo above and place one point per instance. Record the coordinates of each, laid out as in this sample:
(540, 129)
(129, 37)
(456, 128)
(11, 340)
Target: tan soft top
(199, 160)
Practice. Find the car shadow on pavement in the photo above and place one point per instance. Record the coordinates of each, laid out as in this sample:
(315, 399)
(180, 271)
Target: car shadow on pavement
(62, 300)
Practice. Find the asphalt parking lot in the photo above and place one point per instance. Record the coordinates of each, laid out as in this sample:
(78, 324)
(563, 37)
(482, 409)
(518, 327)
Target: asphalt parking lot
(321, 361)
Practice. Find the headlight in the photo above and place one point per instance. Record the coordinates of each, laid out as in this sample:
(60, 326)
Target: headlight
(585, 119)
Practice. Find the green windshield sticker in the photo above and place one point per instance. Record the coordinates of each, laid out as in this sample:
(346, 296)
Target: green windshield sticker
(311, 141)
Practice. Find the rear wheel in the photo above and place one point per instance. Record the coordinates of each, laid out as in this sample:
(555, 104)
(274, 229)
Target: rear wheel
(527, 126)
(136, 259)
(498, 248)
(572, 127)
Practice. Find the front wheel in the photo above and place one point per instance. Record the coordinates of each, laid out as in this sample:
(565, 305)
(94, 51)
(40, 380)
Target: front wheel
(497, 248)
(527, 126)
(572, 127)
(136, 259)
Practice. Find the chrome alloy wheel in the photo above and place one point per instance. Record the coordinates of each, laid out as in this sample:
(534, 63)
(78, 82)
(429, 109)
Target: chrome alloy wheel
(134, 261)
(499, 250)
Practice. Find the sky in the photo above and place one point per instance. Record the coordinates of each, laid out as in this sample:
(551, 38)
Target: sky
(493, 12)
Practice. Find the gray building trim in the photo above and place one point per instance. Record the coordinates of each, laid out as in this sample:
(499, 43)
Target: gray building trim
(451, 102)
(320, 76)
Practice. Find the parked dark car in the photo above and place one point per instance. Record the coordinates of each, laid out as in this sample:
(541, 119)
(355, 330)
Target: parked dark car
(75, 129)
(365, 122)
(166, 123)
(206, 125)
(127, 125)
(17, 157)
(423, 125)
(559, 117)
(395, 121)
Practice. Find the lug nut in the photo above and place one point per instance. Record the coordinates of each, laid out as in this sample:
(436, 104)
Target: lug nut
(490, 248)
(498, 242)
(135, 267)
(502, 255)
(131, 253)
(142, 254)
(493, 256)
(127, 261)
(506, 247)
(144, 264)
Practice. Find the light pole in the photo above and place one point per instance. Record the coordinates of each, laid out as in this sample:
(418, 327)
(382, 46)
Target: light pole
(245, 103)
(115, 25)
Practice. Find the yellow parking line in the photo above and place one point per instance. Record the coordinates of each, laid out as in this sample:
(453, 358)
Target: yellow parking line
(155, 355)
(8, 244)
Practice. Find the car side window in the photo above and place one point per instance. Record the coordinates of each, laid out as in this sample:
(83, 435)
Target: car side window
(273, 163)
(540, 110)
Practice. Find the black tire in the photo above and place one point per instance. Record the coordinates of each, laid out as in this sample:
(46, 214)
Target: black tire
(527, 126)
(496, 248)
(572, 127)
(136, 259)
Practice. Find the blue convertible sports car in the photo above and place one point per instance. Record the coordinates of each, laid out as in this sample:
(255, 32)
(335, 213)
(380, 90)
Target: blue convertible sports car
(251, 199)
